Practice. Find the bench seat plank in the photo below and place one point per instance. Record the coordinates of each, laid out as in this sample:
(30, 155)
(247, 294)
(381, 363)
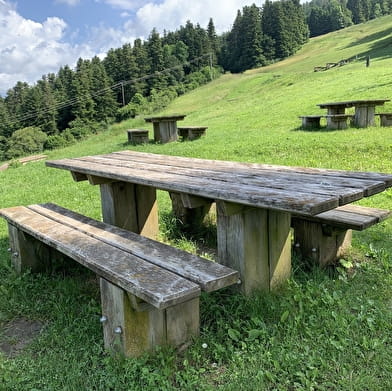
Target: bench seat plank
(352, 217)
(149, 282)
(209, 275)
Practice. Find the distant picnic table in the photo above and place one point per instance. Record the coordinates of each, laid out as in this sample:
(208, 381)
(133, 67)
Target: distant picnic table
(364, 110)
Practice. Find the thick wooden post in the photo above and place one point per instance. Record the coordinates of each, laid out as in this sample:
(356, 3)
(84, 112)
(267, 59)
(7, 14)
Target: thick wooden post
(256, 242)
(364, 116)
(320, 243)
(190, 210)
(131, 328)
(27, 253)
(165, 131)
(130, 206)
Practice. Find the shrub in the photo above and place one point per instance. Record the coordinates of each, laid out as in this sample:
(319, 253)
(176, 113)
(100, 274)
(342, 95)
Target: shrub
(137, 105)
(55, 141)
(25, 141)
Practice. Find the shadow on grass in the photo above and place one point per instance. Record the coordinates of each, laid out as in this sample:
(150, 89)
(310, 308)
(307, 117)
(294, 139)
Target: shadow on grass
(201, 236)
(373, 37)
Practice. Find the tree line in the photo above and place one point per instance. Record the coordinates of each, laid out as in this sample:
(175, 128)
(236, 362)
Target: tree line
(146, 75)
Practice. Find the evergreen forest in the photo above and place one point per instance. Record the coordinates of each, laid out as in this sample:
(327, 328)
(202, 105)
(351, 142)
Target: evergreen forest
(144, 76)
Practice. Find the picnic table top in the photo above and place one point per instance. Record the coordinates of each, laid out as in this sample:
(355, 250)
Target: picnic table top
(351, 103)
(298, 190)
(163, 118)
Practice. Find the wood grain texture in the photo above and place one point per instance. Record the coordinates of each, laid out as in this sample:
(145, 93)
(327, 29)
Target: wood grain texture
(209, 275)
(351, 217)
(300, 190)
(149, 282)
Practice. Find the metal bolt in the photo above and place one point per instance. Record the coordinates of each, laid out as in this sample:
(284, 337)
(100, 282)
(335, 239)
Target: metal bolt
(239, 282)
(15, 254)
(297, 245)
(118, 330)
(9, 249)
(103, 319)
(314, 250)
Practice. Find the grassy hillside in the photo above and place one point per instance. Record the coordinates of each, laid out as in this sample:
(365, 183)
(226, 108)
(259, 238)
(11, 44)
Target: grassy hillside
(325, 331)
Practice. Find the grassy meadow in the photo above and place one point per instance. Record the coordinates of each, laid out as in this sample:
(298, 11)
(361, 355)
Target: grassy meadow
(325, 330)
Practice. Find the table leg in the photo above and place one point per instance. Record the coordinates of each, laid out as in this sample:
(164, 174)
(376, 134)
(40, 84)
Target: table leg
(256, 242)
(333, 111)
(364, 116)
(129, 206)
(165, 132)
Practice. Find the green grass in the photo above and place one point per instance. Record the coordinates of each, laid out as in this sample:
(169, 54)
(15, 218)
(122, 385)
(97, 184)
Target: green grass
(326, 330)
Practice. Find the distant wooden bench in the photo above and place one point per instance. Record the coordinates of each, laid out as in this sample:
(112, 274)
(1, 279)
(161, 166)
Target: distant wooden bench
(311, 121)
(137, 136)
(385, 119)
(334, 121)
(327, 236)
(149, 291)
(338, 121)
(192, 132)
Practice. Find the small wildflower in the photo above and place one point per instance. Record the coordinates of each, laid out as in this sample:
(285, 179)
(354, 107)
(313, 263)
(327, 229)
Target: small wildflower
(204, 345)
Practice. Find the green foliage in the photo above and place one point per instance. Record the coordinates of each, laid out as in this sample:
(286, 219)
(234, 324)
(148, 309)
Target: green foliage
(25, 141)
(137, 105)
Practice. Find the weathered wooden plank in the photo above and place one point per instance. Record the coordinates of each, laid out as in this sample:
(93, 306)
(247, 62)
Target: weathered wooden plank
(209, 275)
(255, 168)
(151, 283)
(349, 190)
(351, 217)
(259, 196)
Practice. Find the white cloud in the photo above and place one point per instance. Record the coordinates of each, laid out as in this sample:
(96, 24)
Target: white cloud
(30, 49)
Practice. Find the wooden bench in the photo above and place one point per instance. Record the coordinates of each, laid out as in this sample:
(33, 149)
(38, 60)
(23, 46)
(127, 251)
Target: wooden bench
(149, 291)
(137, 136)
(192, 132)
(327, 236)
(311, 121)
(338, 121)
(385, 119)
(334, 121)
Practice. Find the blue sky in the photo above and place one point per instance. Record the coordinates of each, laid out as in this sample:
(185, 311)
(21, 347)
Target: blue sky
(39, 36)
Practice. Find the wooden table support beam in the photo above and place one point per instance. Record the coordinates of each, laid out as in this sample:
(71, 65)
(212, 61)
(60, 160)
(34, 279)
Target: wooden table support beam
(130, 206)
(256, 242)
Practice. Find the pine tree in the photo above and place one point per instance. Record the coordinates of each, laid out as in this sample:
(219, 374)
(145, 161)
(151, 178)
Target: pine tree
(65, 96)
(155, 56)
(105, 104)
(84, 106)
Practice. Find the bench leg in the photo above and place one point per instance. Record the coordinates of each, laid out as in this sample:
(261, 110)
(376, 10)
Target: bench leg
(132, 207)
(320, 243)
(27, 253)
(190, 210)
(309, 123)
(256, 242)
(133, 331)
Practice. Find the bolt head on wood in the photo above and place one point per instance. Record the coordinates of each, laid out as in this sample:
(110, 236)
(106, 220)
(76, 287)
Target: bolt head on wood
(103, 319)
(118, 330)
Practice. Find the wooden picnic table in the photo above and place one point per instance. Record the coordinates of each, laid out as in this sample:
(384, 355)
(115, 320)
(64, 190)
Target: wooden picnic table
(364, 110)
(165, 127)
(254, 202)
